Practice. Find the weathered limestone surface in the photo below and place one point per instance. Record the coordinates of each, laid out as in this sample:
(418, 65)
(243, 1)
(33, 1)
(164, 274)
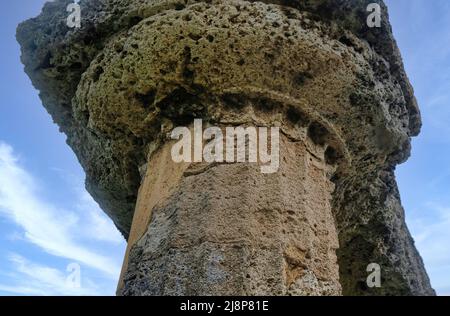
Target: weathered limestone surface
(228, 229)
(337, 89)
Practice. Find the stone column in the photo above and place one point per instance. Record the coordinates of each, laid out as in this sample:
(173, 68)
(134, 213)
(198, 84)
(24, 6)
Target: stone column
(336, 88)
(228, 229)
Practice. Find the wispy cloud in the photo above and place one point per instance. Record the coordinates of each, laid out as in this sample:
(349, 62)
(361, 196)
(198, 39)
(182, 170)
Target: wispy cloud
(35, 279)
(431, 229)
(97, 226)
(59, 232)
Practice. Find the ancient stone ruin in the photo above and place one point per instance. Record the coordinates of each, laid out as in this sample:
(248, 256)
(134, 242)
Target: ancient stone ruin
(334, 86)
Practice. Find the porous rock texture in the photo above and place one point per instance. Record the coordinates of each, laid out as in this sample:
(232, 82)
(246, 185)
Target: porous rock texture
(336, 88)
(228, 229)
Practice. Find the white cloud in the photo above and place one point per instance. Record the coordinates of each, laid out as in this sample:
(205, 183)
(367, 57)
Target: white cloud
(97, 225)
(35, 279)
(431, 231)
(100, 227)
(55, 230)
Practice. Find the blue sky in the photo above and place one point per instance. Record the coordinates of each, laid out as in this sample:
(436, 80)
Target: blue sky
(422, 30)
(48, 222)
